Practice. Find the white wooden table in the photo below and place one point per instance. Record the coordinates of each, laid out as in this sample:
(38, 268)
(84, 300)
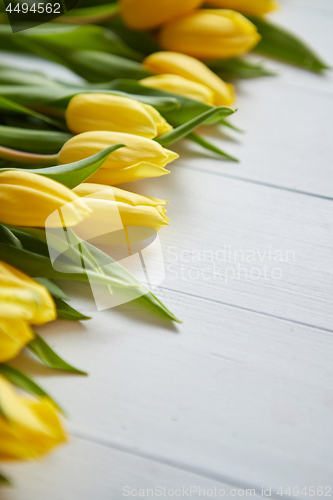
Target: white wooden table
(240, 395)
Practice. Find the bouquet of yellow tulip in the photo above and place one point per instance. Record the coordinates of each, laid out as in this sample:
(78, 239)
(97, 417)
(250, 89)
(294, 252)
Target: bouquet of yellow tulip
(153, 73)
(137, 107)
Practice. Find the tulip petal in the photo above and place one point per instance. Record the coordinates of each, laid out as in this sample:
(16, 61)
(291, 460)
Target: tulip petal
(101, 192)
(256, 7)
(192, 69)
(142, 157)
(24, 298)
(141, 170)
(29, 428)
(27, 199)
(181, 86)
(148, 14)
(14, 335)
(87, 112)
(210, 33)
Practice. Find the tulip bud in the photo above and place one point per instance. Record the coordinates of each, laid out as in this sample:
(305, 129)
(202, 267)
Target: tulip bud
(114, 209)
(88, 112)
(140, 159)
(148, 14)
(255, 7)
(23, 301)
(191, 69)
(14, 335)
(28, 428)
(181, 86)
(27, 199)
(208, 34)
(23, 298)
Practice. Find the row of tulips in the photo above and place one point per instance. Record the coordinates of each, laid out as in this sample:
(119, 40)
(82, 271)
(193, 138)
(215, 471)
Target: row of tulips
(116, 127)
(30, 428)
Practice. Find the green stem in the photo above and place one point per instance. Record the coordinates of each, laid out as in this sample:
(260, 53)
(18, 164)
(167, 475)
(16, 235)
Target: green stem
(48, 110)
(27, 158)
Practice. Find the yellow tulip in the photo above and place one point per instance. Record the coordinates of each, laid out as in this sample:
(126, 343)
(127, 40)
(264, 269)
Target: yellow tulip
(22, 297)
(181, 86)
(147, 14)
(162, 126)
(256, 7)
(190, 68)
(27, 199)
(210, 33)
(114, 209)
(29, 428)
(22, 302)
(14, 335)
(87, 112)
(140, 158)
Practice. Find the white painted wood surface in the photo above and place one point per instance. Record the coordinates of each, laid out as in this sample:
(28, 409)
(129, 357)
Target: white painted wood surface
(239, 395)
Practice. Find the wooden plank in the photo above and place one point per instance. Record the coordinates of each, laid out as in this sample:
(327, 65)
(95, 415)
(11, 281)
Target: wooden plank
(235, 396)
(318, 4)
(87, 471)
(255, 247)
(287, 139)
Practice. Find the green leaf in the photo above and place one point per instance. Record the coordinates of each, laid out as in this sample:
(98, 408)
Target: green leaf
(67, 312)
(43, 351)
(124, 277)
(185, 129)
(4, 481)
(101, 67)
(225, 123)
(32, 141)
(229, 69)
(20, 43)
(95, 14)
(138, 40)
(54, 290)
(39, 265)
(278, 42)
(13, 107)
(10, 75)
(62, 38)
(29, 242)
(58, 97)
(207, 145)
(36, 95)
(150, 301)
(24, 382)
(8, 237)
(73, 174)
